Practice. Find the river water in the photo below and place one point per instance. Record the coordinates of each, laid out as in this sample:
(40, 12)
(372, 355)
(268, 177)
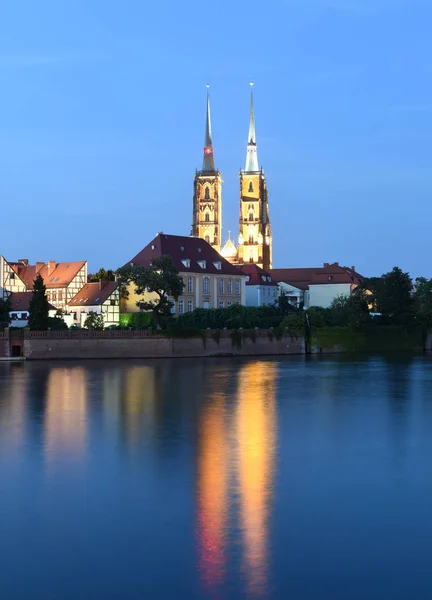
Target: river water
(301, 479)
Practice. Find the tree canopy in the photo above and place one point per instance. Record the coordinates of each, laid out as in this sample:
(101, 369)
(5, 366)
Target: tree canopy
(101, 274)
(391, 296)
(94, 321)
(157, 284)
(423, 300)
(39, 307)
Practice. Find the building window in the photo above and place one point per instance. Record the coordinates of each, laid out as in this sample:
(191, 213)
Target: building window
(250, 186)
(189, 284)
(207, 194)
(207, 218)
(221, 286)
(60, 295)
(190, 305)
(251, 239)
(206, 285)
(221, 304)
(207, 239)
(112, 302)
(229, 286)
(330, 277)
(181, 307)
(251, 217)
(186, 262)
(229, 303)
(237, 286)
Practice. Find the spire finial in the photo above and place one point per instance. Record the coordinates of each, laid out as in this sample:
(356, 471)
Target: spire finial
(229, 235)
(251, 156)
(208, 158)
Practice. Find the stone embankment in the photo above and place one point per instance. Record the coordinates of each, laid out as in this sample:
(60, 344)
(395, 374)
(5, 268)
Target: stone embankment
(43, 345)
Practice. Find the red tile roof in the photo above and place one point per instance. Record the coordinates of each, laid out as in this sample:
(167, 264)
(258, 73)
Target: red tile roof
(256, 275)
(92, 295)
(54, 274)
(180, 248)
(329, 273)
(20, 302)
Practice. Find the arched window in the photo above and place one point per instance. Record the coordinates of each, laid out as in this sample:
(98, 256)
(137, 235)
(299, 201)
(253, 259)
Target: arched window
(207, 217)
(251, 239)
(251, 216)
(207, 239)
(207, 194)
(206, 284)
(250, 186)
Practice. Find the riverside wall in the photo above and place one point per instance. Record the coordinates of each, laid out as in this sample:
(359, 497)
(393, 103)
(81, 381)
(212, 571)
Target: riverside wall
(139, 344)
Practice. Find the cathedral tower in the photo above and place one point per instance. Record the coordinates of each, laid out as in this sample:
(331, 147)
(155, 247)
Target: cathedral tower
(207, 199)
(255, 237)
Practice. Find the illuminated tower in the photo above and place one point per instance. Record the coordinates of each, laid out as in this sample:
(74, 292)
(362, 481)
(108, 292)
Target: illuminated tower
(207, 199)
(255, 237)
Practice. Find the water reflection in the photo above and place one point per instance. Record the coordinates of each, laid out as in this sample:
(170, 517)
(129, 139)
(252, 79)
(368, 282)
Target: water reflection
(256, 436)
(212, 489)
(66, 417)
(236, 453)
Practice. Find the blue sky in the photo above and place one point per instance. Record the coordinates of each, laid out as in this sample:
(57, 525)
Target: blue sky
(102, 125)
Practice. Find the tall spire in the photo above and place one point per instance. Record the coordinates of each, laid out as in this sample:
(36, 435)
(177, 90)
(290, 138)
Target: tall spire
(208, 158)
(251, 155)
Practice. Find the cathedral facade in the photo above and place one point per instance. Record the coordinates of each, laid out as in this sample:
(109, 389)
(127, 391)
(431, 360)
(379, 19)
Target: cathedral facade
(255, 236)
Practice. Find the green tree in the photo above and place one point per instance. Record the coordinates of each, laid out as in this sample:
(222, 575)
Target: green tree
(101, 274)
(38, 308)
(350, 310)
(94, 321)
(423, 300)
(283, 304)
(161, 279)
(5, 308)
(392, 296)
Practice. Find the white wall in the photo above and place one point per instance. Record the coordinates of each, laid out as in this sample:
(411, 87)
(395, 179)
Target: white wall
(260, 295)
(322, 295)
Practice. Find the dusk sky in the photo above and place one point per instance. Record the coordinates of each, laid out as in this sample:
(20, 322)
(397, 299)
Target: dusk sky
(102, 115)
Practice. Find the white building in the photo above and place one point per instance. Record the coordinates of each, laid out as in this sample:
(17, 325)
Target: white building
(261, 290)
(102, 298)
(317, 286)
(9, 280)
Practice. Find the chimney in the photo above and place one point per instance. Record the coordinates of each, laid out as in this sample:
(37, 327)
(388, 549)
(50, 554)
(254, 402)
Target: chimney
(352, 268)
(336, 264)
(39, 266)
(103, 282)
(51, 266)
(326, 265)
(23, 261)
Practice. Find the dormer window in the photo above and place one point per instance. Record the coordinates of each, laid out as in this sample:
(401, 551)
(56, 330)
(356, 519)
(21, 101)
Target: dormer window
(153, 247)
(330, 278)
(186, 262)
(218, 265)
(202, 264)
(263, 278)
(199, 249)
(182, 248)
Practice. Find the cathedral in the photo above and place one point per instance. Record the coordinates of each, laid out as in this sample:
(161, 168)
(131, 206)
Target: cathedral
(254, 237)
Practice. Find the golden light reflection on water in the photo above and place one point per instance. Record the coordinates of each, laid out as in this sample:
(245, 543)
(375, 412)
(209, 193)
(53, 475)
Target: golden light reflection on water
(212, 483)
(256, 438)
(66, 416)
(236, 454)
(139, 400)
